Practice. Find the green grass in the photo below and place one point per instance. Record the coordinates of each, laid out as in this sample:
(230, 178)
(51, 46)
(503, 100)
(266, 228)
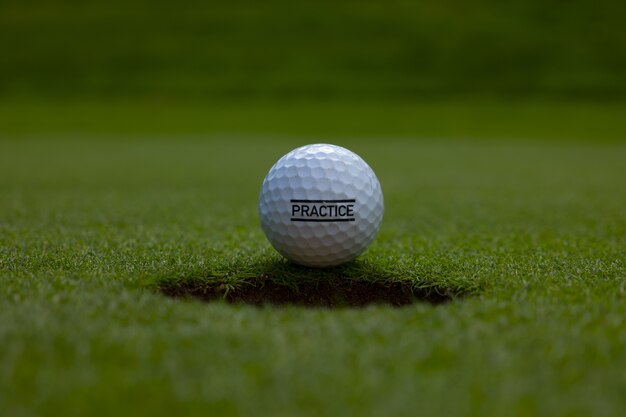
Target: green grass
(325, 49)
(309, 120)
(95, 215)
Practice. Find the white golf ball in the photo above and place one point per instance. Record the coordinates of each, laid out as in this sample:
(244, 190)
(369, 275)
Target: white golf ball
(321, 205)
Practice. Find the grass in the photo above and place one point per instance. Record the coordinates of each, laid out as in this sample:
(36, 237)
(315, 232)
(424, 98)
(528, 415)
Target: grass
(306, 120)
(528, 235)
(326, 49)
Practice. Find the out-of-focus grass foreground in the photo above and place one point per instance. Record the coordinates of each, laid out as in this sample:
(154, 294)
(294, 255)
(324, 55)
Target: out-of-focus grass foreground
(134, 137)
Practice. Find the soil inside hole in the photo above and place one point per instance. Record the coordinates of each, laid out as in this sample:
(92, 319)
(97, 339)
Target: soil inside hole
(323, 293)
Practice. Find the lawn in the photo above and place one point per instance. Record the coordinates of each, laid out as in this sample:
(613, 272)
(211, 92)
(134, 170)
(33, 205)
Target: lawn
(518, 221)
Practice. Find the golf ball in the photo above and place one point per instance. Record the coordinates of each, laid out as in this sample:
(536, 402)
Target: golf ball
(321, 205)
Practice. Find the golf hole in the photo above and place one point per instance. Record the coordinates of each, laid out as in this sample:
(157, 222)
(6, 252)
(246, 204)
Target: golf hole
(329, 294)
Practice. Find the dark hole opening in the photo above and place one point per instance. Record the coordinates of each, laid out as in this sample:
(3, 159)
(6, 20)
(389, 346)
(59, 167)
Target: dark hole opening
(280, 283)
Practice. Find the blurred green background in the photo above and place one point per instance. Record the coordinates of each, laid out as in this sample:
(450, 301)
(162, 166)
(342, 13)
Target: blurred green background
(238, 49)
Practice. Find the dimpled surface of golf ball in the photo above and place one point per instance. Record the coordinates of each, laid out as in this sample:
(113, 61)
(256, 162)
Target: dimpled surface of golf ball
(321, 205)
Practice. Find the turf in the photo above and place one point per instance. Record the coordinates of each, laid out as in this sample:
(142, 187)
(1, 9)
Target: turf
(526, 236)
(325, 49)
